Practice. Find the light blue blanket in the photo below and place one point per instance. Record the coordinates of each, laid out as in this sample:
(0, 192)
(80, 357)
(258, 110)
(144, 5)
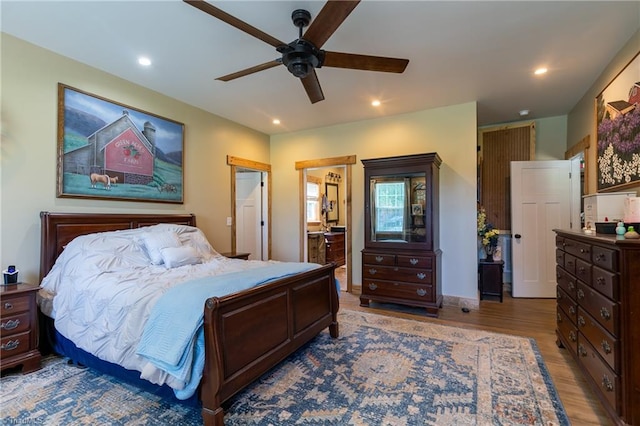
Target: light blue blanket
(173, 337)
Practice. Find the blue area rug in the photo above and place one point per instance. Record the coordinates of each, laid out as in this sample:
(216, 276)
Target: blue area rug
(381, 371)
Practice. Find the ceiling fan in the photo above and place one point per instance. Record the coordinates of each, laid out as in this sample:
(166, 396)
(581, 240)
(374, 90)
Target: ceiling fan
(303, 55)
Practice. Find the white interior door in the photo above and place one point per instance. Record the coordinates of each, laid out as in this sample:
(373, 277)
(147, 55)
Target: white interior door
(249, 214)
(542, 199)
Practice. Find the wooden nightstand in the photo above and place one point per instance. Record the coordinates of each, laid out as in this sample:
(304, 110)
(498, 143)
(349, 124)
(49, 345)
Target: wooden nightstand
(234, 255)
(19, 327)
(490, 279)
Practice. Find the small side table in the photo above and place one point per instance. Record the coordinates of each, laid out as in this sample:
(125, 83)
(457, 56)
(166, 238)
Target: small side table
(490, 278)
(234, 255)
(19, 327)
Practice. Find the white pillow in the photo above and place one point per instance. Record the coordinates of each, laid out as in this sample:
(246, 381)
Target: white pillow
(180, 256)
(154, 242)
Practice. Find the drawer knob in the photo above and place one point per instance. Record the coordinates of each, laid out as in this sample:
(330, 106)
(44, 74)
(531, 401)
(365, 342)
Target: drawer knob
(606, 383)
(559, 317)
(572, 310)
(379, 259)
(10, 325)
(606, 347)
(572, 285)
(10, 345)
(581, 321)
(572, 336)
(8, 305)
(372, 271)
(421, 292)
(372, 286)
(581, 270)
(580, 294)
(414, 261)
(581, 350)
(600, 280)
(600, 257)
(584, 251)
(604, 313)
(559, 295)
(421, 275)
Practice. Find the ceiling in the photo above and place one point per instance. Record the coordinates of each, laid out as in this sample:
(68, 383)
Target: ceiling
(459, 52)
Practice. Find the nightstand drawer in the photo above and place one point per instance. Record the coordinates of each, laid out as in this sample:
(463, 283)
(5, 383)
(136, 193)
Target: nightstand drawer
(14, 344)
(15, 324)
(14, 305)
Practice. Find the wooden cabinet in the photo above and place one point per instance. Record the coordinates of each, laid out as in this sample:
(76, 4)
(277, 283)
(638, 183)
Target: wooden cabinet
(334, 251)
(19, 327)
(598, 316)
(401, 257)
(490, 279)
(316, 248)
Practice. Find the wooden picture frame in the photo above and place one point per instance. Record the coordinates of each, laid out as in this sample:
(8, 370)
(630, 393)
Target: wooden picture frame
(618, 130)
(333, 214)
(108, 150)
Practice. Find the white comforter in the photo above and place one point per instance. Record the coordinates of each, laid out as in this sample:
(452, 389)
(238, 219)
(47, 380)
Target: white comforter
(105, 287)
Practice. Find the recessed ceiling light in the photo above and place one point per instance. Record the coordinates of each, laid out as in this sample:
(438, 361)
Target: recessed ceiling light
(144, 61)
(375, 103)
(524, 112)
(276, 121)
(540, 71)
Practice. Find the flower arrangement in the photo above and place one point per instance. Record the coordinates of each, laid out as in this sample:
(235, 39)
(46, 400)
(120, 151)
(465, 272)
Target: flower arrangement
(487, 233)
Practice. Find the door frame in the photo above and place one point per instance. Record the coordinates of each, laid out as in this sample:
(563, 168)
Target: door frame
(347, 162)
(235, 163)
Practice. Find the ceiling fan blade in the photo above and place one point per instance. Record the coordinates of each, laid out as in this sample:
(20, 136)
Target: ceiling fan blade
(234, 22)
(251, 70)
(364, 62)
(328, 20)
(312, 87)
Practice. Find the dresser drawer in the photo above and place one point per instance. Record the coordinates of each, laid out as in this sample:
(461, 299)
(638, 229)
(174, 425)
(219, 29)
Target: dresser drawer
(605, 258)
(15, 324)
(570, 263)
(567, 304)
(607, 381)
(605, 282)
(418, 276)
(599, 338)
(578, 249)
(604, 310)
(415, 262)
(566, 281)
(568, 331)
(398, 290)
(14, 344)
(378, 259)
(560, 257)
(583, 271)
(14, 305)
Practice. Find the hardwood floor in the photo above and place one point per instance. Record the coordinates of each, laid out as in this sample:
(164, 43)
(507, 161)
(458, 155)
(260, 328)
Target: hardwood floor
(535, 318)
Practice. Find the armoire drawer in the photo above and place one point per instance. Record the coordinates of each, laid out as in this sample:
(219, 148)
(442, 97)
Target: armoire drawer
(419, 276)
(398, 290)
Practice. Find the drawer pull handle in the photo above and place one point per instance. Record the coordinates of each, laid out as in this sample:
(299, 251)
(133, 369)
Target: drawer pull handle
(581, 321)
(606, 347)
(604, 313)
(572, 336)
(606, 383)
(581, 350)
(10, 325)
(421, 275)
(421, 291)
(414, 261)
(581, 270)
(580, 294)
(372, 286)
(600, 280)
(372, 271)
(10, 345)
(584, 251)
(572, 310)
(8, 305)
(379, 259)
(600, 257)
(559, 317)
(572, 286)
(559, 296)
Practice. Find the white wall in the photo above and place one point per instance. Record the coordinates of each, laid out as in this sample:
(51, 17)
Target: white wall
(29, 80)
(449, 131)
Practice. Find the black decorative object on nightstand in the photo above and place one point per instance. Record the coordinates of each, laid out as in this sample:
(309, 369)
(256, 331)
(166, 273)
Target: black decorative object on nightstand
(490, 278)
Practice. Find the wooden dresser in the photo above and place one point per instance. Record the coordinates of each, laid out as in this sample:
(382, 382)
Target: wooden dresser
(598, 316)
(335, 248)
(19, 327)
(316, 248)
(401, 257)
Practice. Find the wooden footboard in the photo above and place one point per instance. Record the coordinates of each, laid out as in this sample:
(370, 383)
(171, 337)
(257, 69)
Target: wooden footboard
(248, 333)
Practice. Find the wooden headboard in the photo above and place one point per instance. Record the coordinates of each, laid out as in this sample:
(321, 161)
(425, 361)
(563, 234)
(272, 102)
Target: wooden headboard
(58, 229)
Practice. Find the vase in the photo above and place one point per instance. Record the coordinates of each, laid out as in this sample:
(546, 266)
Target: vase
(489, 250)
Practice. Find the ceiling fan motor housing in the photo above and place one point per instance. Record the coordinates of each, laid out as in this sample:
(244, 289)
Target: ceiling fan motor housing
(300, 57)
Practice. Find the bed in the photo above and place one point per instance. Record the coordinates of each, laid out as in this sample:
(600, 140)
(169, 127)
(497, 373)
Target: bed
(246, 333)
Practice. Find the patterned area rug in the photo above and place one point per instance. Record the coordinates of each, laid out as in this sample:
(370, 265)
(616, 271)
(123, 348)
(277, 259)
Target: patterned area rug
(381, 371)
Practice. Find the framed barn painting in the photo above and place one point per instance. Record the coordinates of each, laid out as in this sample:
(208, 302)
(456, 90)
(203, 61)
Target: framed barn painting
(618, 130)
(112, 151)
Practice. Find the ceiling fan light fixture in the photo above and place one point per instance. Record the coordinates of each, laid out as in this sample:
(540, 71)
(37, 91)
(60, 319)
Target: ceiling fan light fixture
(300, 57)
